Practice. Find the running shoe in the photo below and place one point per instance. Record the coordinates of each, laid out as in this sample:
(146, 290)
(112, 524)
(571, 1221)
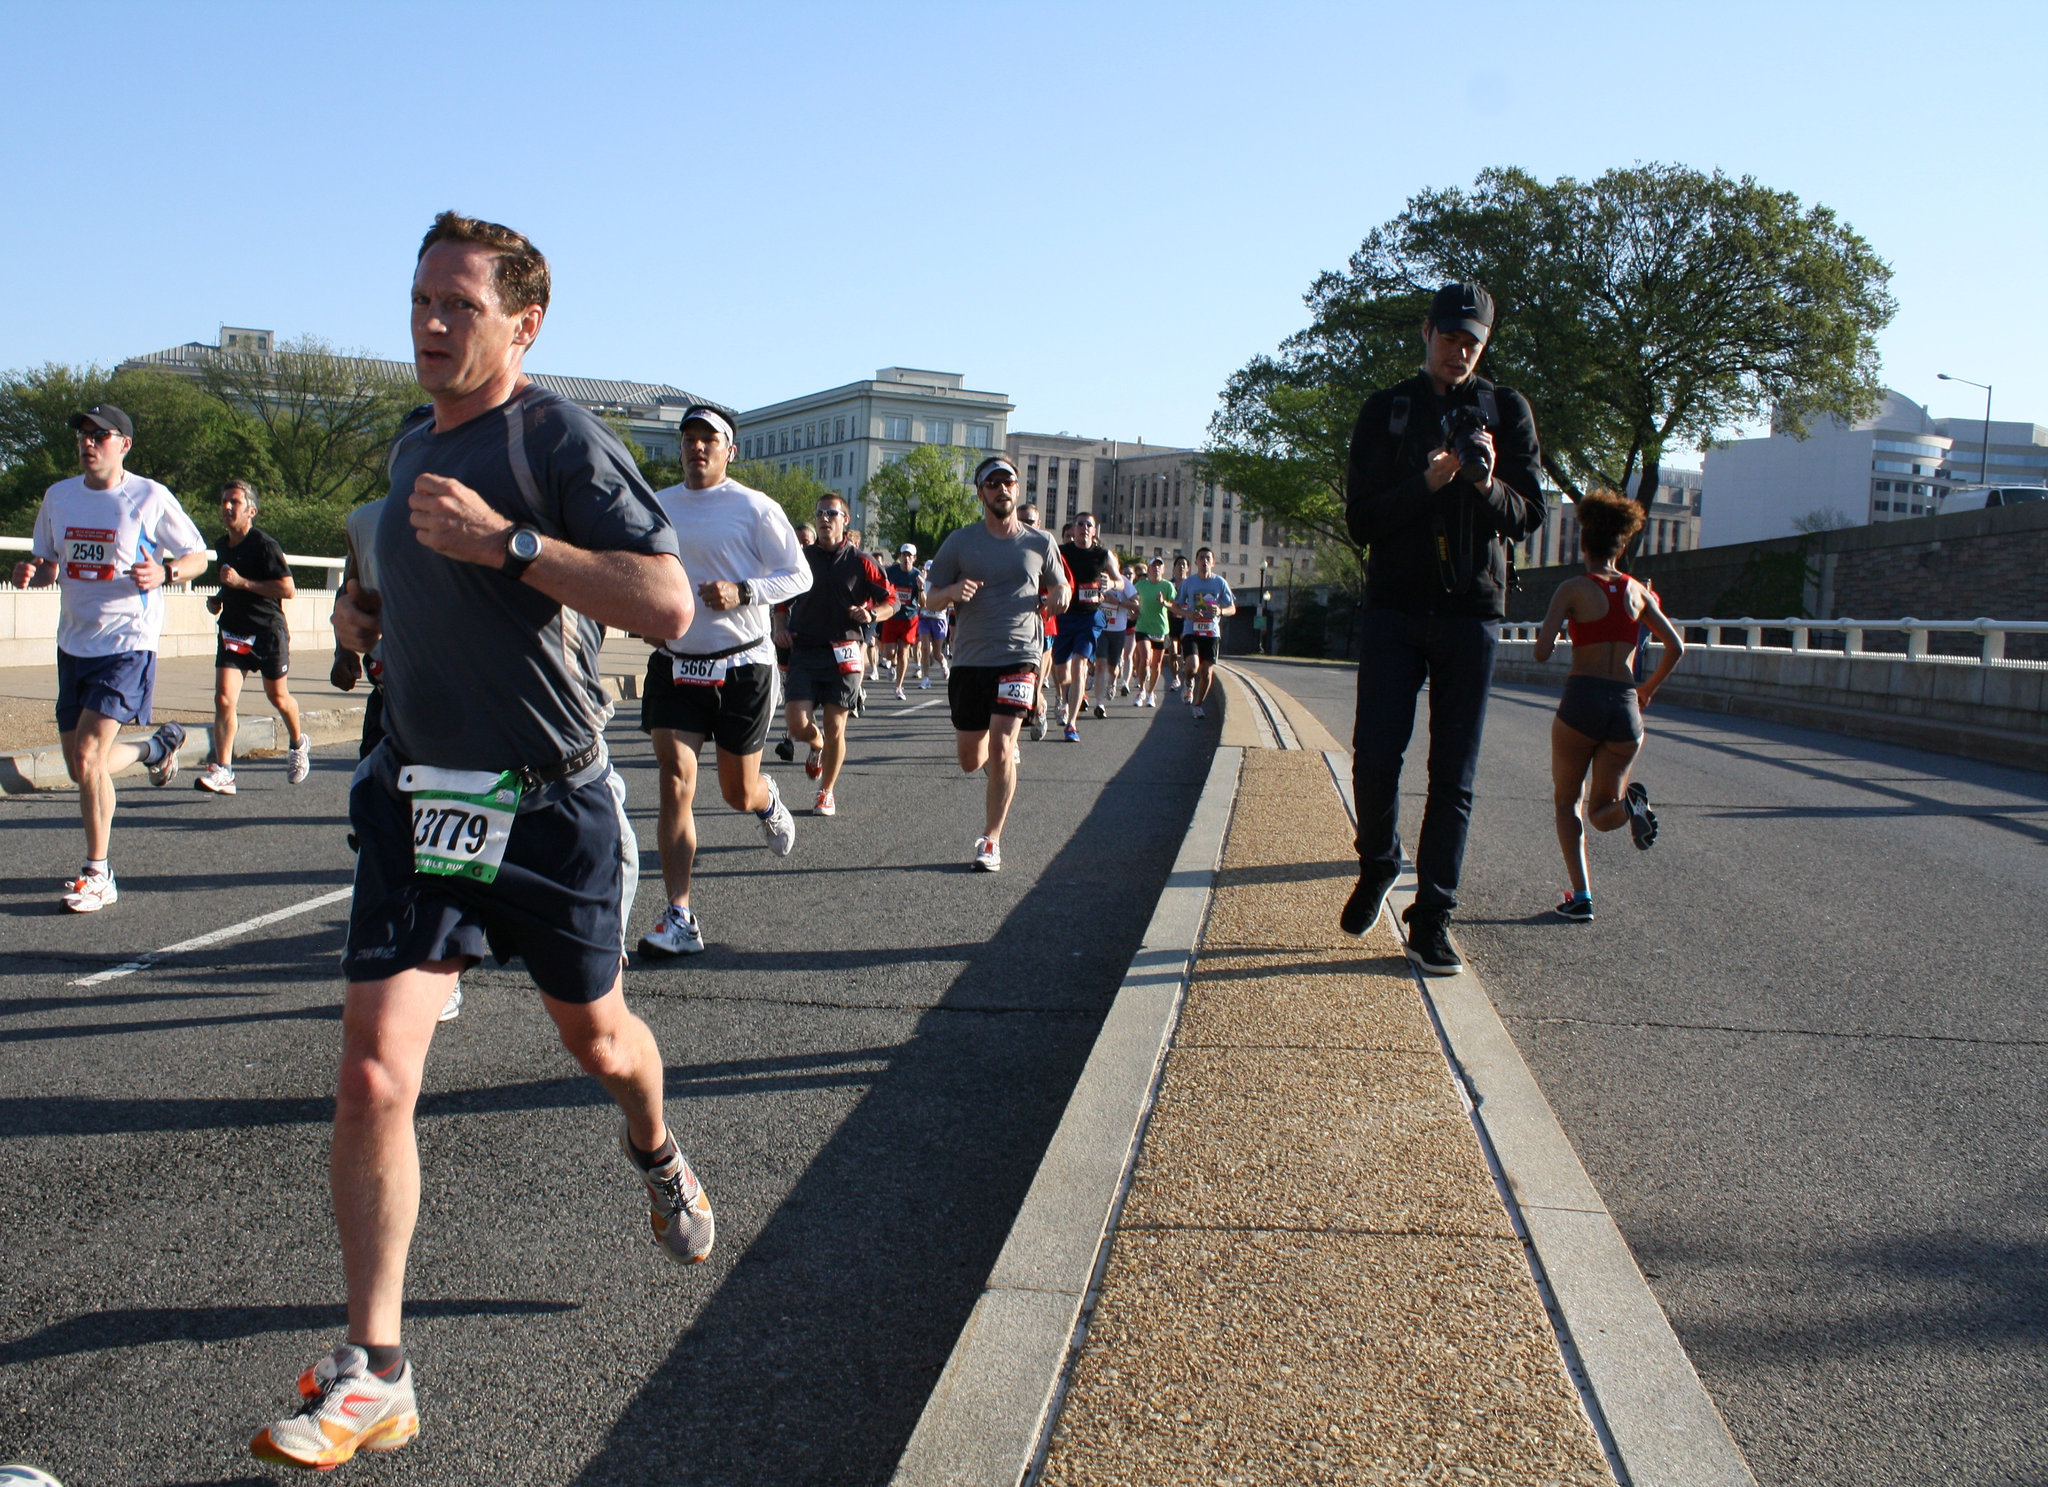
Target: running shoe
(1642, 821)
(88, 893)
(785, 750)
(1124, 690)
(452, 1008)
(1151, 701)
(165, 743)
(1073, 734)
(988, 854)
(680, 1213)
(860, 702)
(675, 933)
(1577, 907)
(346, 1409)
(298, 761)
(825, 805)
(1038, 727)
(814, 761)
(215, 779)
(1139, 700)
(1429, 944)
(777, 826)
(924, 684)
(1101, 711)
(1198, 711)
(899, 693)
(1362, 909)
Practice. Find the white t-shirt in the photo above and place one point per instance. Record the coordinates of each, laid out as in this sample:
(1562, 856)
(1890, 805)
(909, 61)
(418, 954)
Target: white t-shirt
(95, 538)
(1117, 617)
(729, 532)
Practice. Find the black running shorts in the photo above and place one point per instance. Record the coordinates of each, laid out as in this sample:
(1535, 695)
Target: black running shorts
(733, 715)
(1202, 647)
(560, 898)
(264, 648)
(976, 694)
(1601, 709)
(815, 677)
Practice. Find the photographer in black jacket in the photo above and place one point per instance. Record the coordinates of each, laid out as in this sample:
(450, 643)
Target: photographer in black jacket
(1443, 478)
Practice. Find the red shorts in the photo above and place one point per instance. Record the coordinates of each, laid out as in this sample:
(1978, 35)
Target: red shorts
(899, 629)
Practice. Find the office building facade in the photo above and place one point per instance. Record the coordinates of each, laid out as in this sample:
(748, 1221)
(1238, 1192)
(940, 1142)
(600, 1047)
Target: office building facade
(1672, 523)
(1156, 502)
(844, 434)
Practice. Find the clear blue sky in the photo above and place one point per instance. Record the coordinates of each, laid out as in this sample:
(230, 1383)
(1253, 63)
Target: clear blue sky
(1100, 209)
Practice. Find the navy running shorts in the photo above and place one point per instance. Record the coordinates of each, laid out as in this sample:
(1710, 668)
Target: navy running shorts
(121, 686)
(560, 900)
(1078, 632)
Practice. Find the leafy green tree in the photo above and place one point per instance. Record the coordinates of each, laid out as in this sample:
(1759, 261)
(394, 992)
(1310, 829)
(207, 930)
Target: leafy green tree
(183, 438)
(327, 417)
(922, 498)
(1639, 312)
(795, 490)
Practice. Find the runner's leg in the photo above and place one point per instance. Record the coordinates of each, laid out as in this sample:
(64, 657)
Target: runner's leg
(280, 695)
(1611, 764)
(374, 1162)
(1002, 770)
(227, 691)
(1570, 753)
(675, 758)
(616, 1048)
(741, 782)
(835, 746)
(94, 755)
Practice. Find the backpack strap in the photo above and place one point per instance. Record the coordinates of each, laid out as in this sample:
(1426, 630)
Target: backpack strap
(1489, 408)
(416, 420)
(1397, 416)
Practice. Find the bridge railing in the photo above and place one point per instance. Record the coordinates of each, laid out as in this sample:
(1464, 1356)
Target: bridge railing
(333, 566)
(1848, 637)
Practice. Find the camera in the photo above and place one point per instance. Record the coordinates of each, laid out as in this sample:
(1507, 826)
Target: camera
(1462, 428)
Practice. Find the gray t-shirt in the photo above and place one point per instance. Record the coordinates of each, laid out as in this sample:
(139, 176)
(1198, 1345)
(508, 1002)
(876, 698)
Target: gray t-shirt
(1212, 588)
(999, 625)
(482, 671)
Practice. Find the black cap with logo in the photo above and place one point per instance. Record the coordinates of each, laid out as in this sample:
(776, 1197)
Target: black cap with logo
(105, 416)
(1467, 307)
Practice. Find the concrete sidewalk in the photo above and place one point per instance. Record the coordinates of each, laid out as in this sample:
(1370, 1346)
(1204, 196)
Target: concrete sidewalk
(1312, 1277)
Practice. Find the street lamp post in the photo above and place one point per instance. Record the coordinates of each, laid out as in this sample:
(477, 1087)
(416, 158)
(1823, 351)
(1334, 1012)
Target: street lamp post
(1984, 451)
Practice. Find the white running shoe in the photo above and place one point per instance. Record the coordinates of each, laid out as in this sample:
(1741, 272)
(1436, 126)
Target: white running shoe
(924, 684)
(167, 740)
(778, 826)
(988, 854)
(215, 779)
(91, 892)
(675, 933)
(452, 1008)
(298, 761)
(347, 1409)
(825, 805)
(1198, 711)
(680, 1213)
(899, 693)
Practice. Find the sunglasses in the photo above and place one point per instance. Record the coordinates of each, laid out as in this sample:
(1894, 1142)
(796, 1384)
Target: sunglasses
(829, 513)
(94, 436)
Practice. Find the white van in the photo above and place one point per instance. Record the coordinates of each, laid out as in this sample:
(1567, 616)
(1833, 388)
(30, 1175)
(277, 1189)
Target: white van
(1977, 497)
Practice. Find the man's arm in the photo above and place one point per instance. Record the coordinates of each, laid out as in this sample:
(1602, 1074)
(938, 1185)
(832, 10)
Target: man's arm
(1515, 495)
(1378, 499)
(643, 593)
(35, 573)
(881, 596)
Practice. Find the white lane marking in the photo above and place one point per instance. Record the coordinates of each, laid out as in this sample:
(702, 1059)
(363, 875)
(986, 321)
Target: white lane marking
(918, 706)
(131, 967)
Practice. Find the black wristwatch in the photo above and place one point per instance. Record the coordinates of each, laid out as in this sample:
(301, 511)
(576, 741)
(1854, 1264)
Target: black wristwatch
(746, 591)
(521, 548)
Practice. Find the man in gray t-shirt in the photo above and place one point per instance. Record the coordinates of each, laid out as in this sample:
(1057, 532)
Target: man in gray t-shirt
(996, 574)
(1202, 601)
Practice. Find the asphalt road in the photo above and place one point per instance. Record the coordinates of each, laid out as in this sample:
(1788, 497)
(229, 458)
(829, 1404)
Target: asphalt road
(1801, 1054)
(864, 1067)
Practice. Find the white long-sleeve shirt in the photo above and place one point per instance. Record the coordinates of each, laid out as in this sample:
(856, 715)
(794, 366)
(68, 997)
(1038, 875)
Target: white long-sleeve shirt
(731, 533)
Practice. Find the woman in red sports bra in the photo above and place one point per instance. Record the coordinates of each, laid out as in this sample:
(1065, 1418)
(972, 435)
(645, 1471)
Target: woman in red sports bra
(1599, 724)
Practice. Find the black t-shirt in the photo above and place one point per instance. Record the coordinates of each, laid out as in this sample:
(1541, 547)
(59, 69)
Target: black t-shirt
(1087, 565)
(841, 577)
(256, 556)
(908, 584)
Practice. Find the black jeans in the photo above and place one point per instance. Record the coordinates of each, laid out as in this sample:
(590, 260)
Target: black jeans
(1454, 653)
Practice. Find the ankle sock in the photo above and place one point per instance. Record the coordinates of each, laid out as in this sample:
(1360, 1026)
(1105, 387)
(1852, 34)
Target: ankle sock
(97, 865)
(385, 1362)
(659, 1155)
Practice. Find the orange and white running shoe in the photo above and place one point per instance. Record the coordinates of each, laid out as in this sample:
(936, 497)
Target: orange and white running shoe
(681, 1213)
(346, 1409)
(90, 892)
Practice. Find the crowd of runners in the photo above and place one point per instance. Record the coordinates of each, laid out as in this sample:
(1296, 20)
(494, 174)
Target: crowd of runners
(485, 812)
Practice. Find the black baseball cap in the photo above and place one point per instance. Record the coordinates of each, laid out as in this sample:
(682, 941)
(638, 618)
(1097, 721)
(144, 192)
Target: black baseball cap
(105, 416)
(1465, 306)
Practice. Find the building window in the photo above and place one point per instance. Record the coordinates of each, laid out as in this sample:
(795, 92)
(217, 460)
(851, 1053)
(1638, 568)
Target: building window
(1244, 529)
(1205, 532)
(1073, 477)
(980, 435)
(938, 431)
(837, 468)
(896, 428)
(838, 430)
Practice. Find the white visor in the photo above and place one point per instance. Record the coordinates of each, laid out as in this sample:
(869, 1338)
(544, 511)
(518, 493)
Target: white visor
(713, 417)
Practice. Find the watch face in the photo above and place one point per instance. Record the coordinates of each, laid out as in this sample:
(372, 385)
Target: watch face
(525, 546)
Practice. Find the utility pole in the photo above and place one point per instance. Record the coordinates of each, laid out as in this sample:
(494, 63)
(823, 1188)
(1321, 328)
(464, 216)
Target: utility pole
(1984, 450)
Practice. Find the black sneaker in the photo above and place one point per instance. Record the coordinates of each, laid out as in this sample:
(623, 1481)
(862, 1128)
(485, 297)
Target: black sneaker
(786, 750)
(1362, 909)
(1642, 821)
(1429, 944)
(1577, 907)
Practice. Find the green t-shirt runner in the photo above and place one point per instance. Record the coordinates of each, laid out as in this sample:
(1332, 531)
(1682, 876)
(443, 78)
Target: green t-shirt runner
(1154, 594)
